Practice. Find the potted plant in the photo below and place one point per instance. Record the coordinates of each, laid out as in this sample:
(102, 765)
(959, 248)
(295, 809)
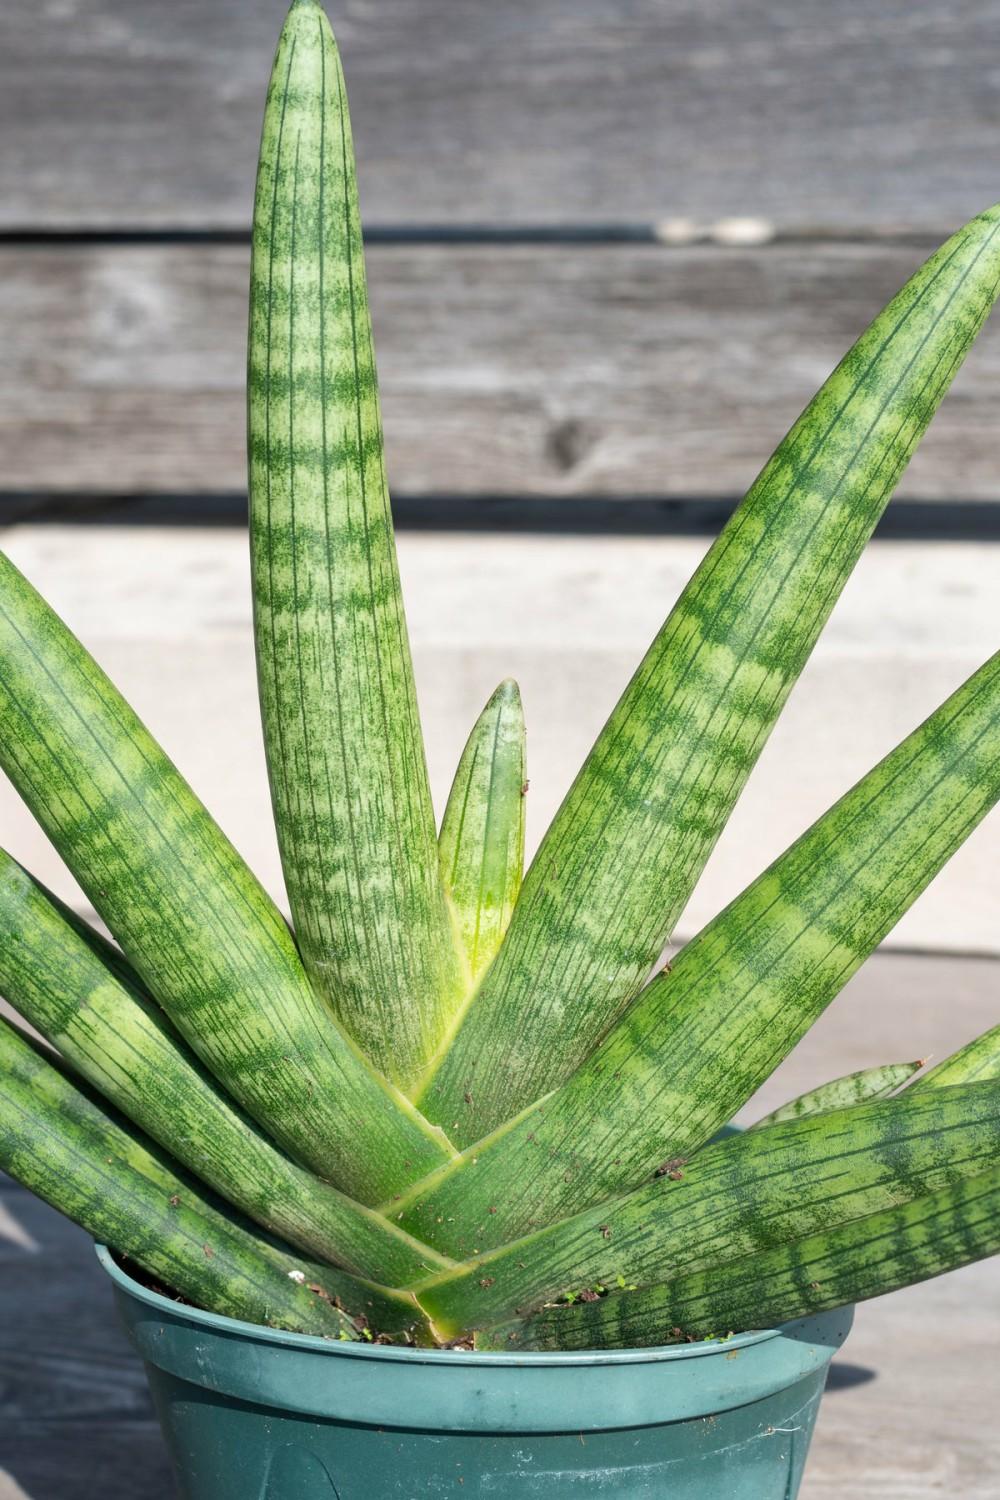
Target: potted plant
(433, 1194)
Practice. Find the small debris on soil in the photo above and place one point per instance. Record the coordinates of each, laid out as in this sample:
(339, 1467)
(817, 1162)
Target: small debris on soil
(150, 1282)
(672, 1168)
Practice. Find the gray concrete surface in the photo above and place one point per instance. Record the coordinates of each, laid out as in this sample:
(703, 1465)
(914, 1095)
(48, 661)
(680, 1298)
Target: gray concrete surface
(167, 613)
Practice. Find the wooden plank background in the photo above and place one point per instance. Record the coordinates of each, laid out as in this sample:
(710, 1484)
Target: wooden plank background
(624, 370)
(601, 362)
(810, 113)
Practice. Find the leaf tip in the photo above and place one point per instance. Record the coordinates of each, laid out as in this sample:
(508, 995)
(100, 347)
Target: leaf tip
(508, 693)
(307, 12)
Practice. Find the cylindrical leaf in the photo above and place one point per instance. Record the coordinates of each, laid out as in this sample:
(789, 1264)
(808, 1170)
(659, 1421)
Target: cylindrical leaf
(481, 843)
(623, 854)
(745, 1194)
(91, 1165)
(853, 1088)
(66, 982)
(935, 1233)
(702, 1037)
(979, 1058)
(206, 940)
(344, 746)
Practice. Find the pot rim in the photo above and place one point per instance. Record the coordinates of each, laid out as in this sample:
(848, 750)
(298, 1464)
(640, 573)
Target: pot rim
(449, 1390)
(397, 1353)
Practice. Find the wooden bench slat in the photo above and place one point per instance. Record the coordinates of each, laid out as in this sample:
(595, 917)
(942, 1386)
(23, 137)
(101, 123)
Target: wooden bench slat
(624, 370)
(809, 114)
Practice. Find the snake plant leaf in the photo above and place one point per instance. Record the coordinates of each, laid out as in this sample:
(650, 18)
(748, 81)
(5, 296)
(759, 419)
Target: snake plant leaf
(623, 854)
(55, 974)
(935, 1233)
(701, 1039)
(979, 1058)
(344, 746)
(207, 941)
(481, 844)
(748, 1193)
(62, 1142)
(853, 1088)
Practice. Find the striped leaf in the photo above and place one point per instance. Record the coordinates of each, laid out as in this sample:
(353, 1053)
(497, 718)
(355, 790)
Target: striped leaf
(206, 940)
(61, 1142)
(481, 844)
(703, 1037)
(344, 746)
(748, 1193)
(853, 1088)
(935, 1233)
(624, 852)
(57, 975)
(979, 1058)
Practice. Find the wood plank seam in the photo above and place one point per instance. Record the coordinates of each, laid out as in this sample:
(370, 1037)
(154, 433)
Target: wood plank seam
(669, 234)
(940, 520)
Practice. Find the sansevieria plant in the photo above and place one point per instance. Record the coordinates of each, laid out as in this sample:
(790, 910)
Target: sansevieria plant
(444, 1105)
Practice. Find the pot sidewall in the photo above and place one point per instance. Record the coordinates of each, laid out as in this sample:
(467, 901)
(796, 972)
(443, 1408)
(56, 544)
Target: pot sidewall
(250, 1413)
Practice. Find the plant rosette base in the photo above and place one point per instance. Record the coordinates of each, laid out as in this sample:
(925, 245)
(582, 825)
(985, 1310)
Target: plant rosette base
(251, 1411)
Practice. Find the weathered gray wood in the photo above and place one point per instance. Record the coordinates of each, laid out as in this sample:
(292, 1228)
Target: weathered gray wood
(109, 1462)
(820, 112)
(619, 370)
(913, 1418)
(76, 1420)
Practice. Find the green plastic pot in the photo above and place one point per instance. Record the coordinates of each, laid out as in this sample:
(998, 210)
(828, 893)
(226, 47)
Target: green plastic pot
(253, 1414)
